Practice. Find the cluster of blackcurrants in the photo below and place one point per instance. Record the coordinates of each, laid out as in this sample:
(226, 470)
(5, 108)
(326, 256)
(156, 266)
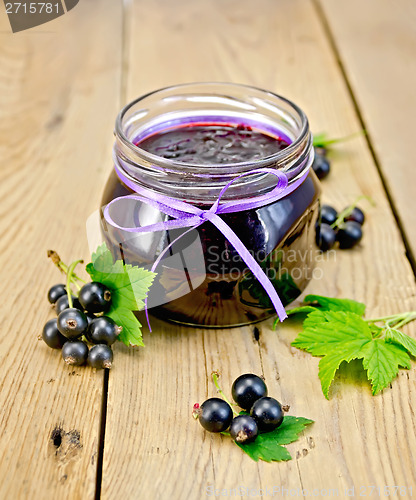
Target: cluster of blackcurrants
(83, 318)
(344, 228)
(321, 165)
(250, 393)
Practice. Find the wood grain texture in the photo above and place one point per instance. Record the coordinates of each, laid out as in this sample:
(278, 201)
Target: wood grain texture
(60, 90)
(376, 41)
(153, 448)
(59, 93)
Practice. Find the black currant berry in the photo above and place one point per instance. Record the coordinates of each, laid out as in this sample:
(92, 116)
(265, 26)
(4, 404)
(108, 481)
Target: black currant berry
(75, 353)
(55, 292)
(321, 166)
(268, 414)
(103, 330)
(349, 235)
(357, 215)
(95, 297)
(72, 323)
(100, 356)
(327, 237)
(62, 303)
(328, 214)
(52, 336)
(243, 429)
(247, 389)
(215, 415)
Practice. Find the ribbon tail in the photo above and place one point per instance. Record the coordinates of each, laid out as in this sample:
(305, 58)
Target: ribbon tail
(252, 264)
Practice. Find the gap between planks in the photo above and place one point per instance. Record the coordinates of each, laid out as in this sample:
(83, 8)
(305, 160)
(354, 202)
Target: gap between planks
(125, 43)
(333, 45)
(124, 85)
(103, 421)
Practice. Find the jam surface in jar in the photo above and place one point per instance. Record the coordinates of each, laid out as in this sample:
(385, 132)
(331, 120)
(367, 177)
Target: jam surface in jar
(279, 235)
(213, 143)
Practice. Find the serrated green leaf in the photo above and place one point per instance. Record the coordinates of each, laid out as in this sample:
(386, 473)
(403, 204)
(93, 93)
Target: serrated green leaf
(336, 335)
(131, 334)
(101, 250)
(291, 427)
(301, 310)
(382, 362)
(266, 450)
(329, 365)
(314, 303)
(130, 283)
(343, 336)
(295, 310)
(102, 259)
(268, 446)
(129, 286)
(397, 337)
(326, 331)
(333, 304)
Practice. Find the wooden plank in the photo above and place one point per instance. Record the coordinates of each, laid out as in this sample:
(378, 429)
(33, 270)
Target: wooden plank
(59, 92)
(377, 45)
(153, 447)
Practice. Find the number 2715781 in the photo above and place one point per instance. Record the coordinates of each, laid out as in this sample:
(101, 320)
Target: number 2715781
(32, 8)
(385, 491)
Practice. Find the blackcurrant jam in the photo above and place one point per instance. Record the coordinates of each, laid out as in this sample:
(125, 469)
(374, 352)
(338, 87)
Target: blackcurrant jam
(187, 142)
(208, 143)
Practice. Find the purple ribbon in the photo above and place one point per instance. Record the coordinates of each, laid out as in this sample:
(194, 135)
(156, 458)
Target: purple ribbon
(186, 215)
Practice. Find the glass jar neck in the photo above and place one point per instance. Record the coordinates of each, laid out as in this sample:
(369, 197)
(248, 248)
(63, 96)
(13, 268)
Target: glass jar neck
(170, 108)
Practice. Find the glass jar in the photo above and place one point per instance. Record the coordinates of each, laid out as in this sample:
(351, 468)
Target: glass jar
(203, 281)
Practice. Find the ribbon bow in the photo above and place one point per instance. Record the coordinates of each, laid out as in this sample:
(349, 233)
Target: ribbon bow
(187, 215)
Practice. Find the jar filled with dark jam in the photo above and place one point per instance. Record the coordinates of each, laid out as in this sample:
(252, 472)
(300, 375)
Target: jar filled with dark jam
(187, 142)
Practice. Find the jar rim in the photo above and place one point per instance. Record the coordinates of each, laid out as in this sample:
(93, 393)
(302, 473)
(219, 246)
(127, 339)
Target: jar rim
(171, 165)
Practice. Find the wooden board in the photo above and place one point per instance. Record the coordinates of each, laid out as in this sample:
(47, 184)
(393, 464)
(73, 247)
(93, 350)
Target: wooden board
(376, 42)
(59, 93)
(153, 448)
(61, 86)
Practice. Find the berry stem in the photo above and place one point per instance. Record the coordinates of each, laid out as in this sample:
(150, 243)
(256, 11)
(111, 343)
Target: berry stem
(395, 320)
(410, 317)
(339, 222)
(74, 278)
(64, 268)
(215, 376)
(69, 276)
(321, 141)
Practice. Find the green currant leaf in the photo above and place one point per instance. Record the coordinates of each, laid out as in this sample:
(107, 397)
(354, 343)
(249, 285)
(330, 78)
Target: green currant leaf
(343, 336)
(325, 331)
(131, 333)
(313, 303)
(268, 446)
(397, 337)
(333, 304)
(266, 450)
(129, 286)
(382, 361)
(329, 365)
(300, 310)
